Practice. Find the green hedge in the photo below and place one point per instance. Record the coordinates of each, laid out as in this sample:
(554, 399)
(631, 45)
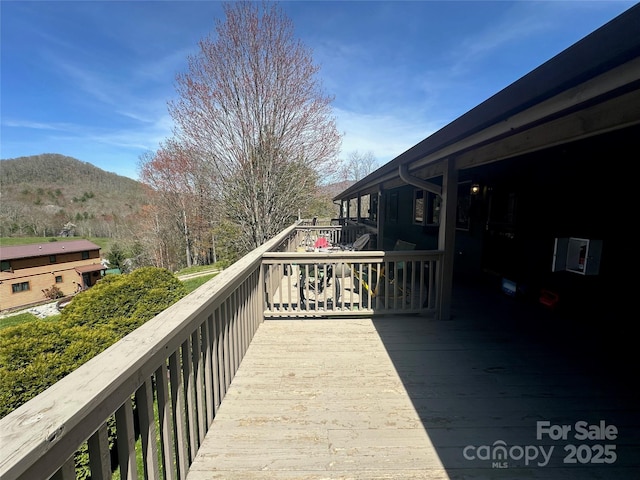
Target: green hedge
(35, 355)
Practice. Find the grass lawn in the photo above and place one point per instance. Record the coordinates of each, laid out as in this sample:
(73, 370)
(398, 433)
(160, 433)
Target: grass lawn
(194, 283)
(19, 318)
(198, 269)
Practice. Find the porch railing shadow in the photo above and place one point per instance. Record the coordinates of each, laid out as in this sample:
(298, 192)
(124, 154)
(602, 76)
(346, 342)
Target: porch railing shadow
(493, 385)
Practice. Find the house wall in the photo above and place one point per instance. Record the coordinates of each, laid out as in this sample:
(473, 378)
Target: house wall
(41, 274)
(399, 221)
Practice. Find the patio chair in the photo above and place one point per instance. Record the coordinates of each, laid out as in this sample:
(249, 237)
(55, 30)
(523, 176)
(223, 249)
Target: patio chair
(360, 243)
(345, 269)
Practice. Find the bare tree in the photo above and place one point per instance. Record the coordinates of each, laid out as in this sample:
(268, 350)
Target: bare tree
(251, 105)
(184, 194)
(357, 166)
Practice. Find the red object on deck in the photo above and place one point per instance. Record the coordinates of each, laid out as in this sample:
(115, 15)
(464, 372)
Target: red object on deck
(321, 243)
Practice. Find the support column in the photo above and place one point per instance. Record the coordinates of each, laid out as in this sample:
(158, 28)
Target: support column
(381, 219)
(447, 237)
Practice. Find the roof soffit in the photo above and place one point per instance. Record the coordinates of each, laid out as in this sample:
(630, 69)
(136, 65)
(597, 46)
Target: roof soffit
(577, 101)
(596, 55)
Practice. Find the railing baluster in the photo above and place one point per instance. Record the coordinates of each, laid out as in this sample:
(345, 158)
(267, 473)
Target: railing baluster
(208, 368)
(251, 311)
(198, 362)
(233, 339)
(215, 359)
(67, 471)
(146, 420)
(291, 293)
(179, 418)
(367, 272)
(99, 454)
(423, 286)
(387, 285)
(165, 422)
(241, 301)
(222, 350)
(248, 315)
(221, 361)
(257, 310)
(125, 438)
(225, 346)
(190, 411)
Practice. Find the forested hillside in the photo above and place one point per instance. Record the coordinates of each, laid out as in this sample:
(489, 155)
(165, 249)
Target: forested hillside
(49, 194)
(52, 195)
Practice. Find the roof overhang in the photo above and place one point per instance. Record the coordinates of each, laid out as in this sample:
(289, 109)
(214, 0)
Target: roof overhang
(90, 268)
(592, 87)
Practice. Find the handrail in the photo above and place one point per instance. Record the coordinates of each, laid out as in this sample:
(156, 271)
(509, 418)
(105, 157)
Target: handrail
(167, 379)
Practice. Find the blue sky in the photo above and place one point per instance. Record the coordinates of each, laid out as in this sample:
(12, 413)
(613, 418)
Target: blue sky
(91, 79)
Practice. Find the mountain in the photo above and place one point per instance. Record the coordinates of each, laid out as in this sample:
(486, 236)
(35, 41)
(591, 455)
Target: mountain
(40, 194)
(334, 189)
(52, 168)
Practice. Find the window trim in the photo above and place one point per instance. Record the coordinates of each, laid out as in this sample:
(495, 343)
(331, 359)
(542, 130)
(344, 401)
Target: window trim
(428, 216)
(419, 207)
(20, 287)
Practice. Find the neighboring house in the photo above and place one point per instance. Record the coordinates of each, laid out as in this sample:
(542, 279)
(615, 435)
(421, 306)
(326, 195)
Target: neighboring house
(28, 270)
(529, 191)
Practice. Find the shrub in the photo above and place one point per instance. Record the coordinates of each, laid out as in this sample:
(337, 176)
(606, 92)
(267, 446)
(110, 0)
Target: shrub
(36, 354)
(137, 296)
(53, 292)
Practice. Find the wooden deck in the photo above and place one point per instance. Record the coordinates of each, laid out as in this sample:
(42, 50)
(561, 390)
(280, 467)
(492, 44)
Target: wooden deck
(413, 398)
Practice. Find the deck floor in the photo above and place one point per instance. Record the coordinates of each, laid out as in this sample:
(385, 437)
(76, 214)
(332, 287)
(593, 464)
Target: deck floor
(414, 398)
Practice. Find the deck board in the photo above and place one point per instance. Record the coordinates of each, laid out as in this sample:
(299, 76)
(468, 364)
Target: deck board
(401, 397)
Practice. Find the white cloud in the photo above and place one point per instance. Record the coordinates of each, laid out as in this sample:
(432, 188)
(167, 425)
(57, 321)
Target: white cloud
(386, 136)
(36, 125)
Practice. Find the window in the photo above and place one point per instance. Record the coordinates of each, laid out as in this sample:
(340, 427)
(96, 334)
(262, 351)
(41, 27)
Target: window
(432, 214)
(373, 214)
(353, 209)
(52, 259)
(426, 208)
(365, 206)
(20, 287)
(85, 255)
(5, 266)
(392, 210)
(418, 206)
(58, 278)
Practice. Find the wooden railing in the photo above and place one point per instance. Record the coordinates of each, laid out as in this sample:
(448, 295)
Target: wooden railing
(335, 234)
(338, 282)
(155, 392)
